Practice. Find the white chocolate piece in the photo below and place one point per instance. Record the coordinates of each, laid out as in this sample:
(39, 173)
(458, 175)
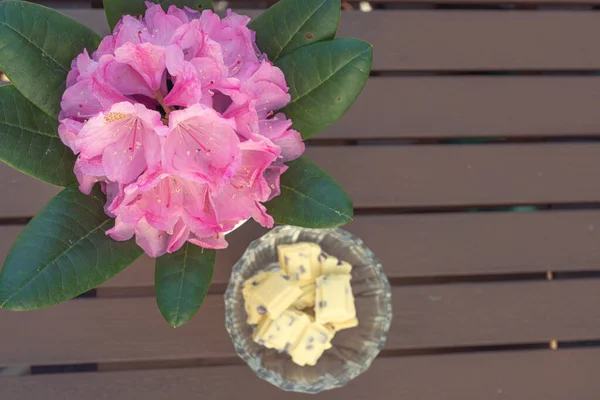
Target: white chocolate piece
(274, 295)
(335, 301)
(285, 331)
(333, 265)
(300, 260)
(260, 332)
(309, 292)
(250, 305)
(251, 308)
(255, 281)
(314, 341)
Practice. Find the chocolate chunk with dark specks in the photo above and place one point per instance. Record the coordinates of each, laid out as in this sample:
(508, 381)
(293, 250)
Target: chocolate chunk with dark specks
(322, 257)
(302, 269)
(286, 260)
(322, 304)
(261, 310)
(339, 262)
(310, 347)
(286, 277)
(255, 283)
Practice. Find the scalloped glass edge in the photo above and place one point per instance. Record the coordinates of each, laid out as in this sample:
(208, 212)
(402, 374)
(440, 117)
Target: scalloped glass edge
(327, 381)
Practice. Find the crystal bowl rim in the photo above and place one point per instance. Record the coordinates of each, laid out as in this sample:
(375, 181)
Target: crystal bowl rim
(265, 373)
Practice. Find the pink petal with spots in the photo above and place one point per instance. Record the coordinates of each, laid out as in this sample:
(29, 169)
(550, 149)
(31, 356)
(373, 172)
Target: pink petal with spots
(147, 59)
(189, 38)
(209, 242)
(127, 139)
(187, 89)
(79, 101)
(277, 129)
(130, 30)
(201, 145)
(260, 215)
(68, 131)
(123, 78)
(272, 176)
(121, 231)
(161, 25)
(153, 241)
(87, 172)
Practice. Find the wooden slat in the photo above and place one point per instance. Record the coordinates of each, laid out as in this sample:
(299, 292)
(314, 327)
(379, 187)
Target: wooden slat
(473, 106)
(463, 175)
(530, 375)
(23, 196)
(423, 246)
(97, 330)
(409, 40)
(423, 176)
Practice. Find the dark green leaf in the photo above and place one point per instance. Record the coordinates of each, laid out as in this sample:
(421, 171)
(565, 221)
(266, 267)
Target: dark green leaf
(62, 253)
(325, 79)
(115, 9)
(310, 198)
(290, 24)
(29, 140)
(182, 280)
(37, 45)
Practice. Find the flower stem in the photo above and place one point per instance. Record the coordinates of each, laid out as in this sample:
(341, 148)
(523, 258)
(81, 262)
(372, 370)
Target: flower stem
(161, 100)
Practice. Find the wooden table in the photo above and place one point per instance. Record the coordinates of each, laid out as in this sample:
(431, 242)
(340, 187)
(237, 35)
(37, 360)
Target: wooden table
(490, 301)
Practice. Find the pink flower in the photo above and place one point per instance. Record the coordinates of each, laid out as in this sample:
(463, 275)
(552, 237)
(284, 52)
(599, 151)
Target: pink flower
(125, 140)
(174, 116)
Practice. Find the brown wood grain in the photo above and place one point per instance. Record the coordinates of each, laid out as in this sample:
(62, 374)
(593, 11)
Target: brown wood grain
(463, 175)
(530, 375)
(23, 196)
(421, 176)
(471, 106)
(105, 330)
(460, 40)
(412, 246)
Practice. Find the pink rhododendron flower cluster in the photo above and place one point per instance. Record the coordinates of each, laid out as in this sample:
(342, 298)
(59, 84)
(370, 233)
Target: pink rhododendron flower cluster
(174, 115)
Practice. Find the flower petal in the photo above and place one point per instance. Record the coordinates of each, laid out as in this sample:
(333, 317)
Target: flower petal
(147, 59)
(187, 89)
(153, 241)
(201, 145)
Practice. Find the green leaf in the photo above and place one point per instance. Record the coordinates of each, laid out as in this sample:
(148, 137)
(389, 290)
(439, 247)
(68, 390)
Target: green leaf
(62, 253)
(29, 140)
(291, 24)
(37, 45)
(325, 79)
(115, 9)
(182, 280)
(310, 198)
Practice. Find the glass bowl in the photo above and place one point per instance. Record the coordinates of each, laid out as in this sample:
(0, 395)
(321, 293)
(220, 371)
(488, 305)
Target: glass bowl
(353, 349)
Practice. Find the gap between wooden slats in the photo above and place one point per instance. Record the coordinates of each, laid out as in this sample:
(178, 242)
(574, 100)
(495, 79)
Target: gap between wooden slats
(438, 246)
(417, 176)
(531, 375)
(406, 40)
(110, 330)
